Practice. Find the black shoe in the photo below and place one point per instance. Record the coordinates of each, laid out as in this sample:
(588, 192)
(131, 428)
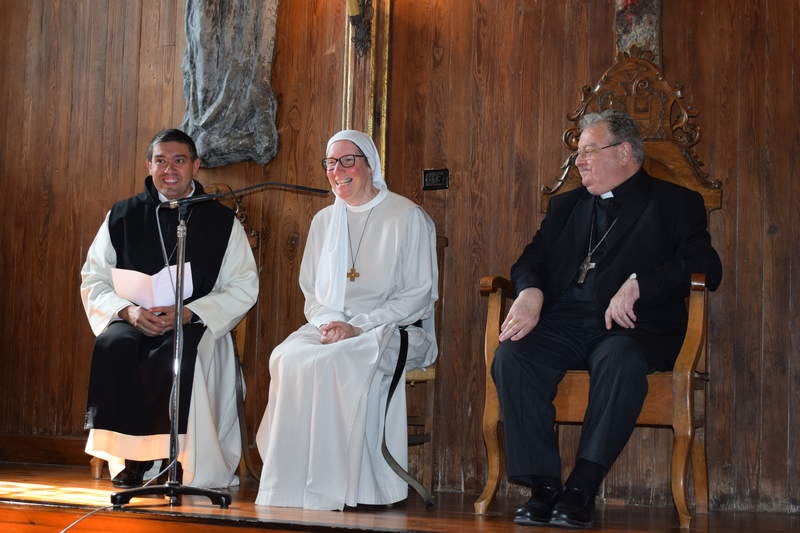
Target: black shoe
(132, 475)
(573, 509)
(538, 510)
(164, 477)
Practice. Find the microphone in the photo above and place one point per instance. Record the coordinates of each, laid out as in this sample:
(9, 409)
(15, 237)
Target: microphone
(189, 200)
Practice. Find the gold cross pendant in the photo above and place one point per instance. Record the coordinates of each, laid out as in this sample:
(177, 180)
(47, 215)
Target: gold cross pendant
(353, 274)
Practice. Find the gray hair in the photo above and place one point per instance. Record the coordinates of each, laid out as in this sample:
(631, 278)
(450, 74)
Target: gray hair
(621, 127)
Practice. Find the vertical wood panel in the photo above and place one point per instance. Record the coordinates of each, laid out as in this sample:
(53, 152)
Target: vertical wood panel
(792, 349)
(778, 75)
(749, 275)
(48, 206)
(13, 172)
(714, 77)
(76, 156)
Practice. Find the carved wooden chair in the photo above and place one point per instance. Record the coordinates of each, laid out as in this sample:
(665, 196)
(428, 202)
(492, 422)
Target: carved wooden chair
(239, 334)
(675, 399)
(420, 426)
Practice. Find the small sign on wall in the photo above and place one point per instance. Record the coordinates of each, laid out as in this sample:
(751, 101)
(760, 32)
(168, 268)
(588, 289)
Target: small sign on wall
(435, 178)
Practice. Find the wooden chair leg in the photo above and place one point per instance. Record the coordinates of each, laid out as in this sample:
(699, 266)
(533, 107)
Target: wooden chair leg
(427, 448)
(491, 438)
(96, 466)
(700, 472)
(245, 464)
(680, 456)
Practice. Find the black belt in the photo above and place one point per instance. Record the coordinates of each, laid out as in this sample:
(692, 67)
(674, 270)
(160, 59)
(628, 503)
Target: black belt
(398, 371)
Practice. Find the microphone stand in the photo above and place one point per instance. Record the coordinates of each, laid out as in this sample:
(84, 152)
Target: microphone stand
(173, 489)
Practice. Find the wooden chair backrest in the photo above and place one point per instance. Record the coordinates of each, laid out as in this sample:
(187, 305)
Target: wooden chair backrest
(235, 203)
(239, 332)
(429, 373)
(635, 85)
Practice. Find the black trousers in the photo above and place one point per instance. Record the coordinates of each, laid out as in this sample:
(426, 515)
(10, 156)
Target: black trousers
(527, 373)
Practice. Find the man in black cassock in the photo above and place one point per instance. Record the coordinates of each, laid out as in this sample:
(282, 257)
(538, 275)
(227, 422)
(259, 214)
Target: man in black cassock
(601, 287)
(131, 374)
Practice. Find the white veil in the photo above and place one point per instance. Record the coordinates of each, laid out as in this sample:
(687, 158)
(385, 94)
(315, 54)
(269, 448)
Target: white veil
(329, 287)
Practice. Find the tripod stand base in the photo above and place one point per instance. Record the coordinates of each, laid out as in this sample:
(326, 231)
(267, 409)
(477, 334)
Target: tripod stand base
(173, 492)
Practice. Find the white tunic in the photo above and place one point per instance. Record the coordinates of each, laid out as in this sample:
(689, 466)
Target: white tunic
(321, 434)
(211, 447)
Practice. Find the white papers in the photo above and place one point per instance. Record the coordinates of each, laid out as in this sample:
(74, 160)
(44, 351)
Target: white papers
(151, 291)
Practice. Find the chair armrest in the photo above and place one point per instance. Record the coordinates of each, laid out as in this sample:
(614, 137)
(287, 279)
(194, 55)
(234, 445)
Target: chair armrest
(497, 289)
(491, 284)
(694, 342)
(419, 375)
(239, 334)
(691, 358)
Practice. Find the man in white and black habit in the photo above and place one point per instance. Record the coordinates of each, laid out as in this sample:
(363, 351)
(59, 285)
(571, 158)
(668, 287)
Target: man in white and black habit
(131, 374)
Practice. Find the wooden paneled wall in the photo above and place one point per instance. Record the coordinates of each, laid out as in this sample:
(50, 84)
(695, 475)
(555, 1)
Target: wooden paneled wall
(86, 85)
(480, 87)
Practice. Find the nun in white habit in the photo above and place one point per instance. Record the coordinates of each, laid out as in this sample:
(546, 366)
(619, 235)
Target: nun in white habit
(369, 266)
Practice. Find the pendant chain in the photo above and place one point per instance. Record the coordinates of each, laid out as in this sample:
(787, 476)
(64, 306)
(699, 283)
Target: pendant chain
(353, 273)
(587, 264)
(591, 250)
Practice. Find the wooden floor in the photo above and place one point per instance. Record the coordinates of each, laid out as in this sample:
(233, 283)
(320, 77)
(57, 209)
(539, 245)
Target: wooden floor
(38, 498)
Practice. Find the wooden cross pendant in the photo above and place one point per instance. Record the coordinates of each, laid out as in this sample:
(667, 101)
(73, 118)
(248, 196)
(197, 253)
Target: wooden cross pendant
(353, 274)
(584, 269)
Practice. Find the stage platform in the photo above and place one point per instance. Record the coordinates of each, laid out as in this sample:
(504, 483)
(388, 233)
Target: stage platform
(47, 498)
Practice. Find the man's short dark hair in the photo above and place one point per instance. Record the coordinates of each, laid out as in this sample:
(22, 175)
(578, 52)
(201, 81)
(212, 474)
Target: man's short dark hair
(172, 135)
(621, 127)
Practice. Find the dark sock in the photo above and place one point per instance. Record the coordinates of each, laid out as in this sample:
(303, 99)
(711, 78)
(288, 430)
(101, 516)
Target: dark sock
(533, 481)
(554, 482)
(587, 477)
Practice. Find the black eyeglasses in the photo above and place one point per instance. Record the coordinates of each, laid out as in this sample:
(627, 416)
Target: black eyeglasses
(590, 151)
(347, 161)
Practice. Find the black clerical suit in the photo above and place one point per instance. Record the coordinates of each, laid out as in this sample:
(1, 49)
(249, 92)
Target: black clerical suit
(658, 232)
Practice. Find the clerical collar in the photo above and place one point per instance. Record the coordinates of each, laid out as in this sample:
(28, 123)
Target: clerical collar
(163, 198)
(620, 192)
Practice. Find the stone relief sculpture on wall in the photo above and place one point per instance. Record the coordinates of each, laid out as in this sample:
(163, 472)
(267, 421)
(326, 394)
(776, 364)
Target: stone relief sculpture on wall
(230, 106)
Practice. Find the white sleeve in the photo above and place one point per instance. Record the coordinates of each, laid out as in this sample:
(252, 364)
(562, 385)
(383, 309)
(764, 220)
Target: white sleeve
(100, 301)
(235, 290)
(416, 285)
